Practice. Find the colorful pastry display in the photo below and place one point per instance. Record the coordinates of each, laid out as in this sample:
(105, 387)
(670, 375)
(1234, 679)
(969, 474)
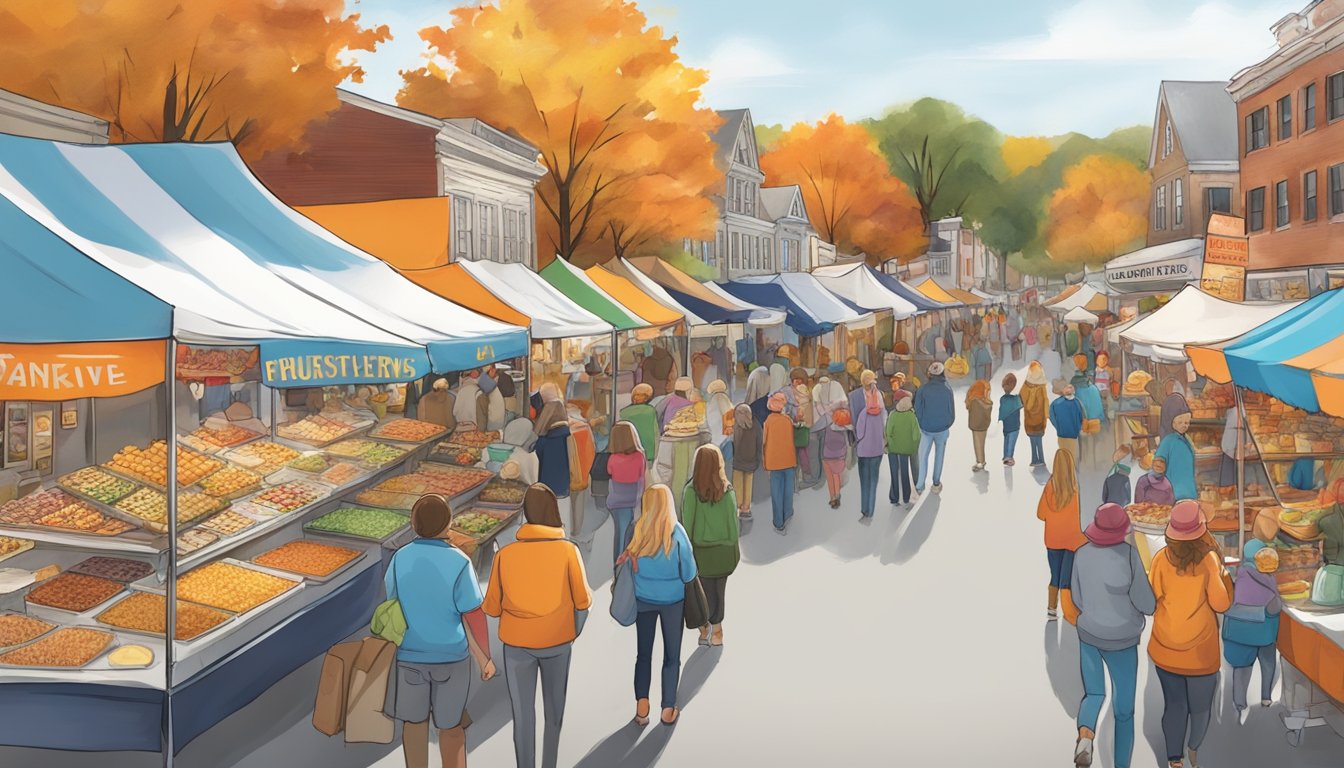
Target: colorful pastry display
(407, 430)
(231, 482)
(228, 523)
(56, 509)
(195, 539)
(10, 546)
(476, 523)
(313, 463)
(341, 473)
(16, 629)
(70, 647)
(309, 558)
(151, 506)
(502, 491)
(288, 497)
(381, 454)
(224, 437)
(150, 464)
(351, 449)
(263, 456)
(145, 612)
(118, 569)
(73, 592)
(231, 587)
(360, 522)
(402, 492)
(314, 430)
(94, 483)
(474, 438)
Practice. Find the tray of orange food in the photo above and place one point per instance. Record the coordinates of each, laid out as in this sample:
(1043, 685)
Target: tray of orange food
(406, 430)
(150, 465)
(314, 561)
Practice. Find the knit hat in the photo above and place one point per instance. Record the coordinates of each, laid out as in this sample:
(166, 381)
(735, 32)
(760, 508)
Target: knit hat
(642, 393)
(716, 387)
(867, 377)
(682, 384)
(1110, 526)
(1187, 521)
(904, 402)
(935, 369)
(777, 402)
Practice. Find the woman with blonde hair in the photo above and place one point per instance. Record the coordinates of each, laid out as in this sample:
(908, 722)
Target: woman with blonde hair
(709, 511)
(664, 564)
(980, 410)
(1059, 510)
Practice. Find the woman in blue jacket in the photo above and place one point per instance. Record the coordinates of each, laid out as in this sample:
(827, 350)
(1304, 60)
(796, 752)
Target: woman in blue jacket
(664, 564)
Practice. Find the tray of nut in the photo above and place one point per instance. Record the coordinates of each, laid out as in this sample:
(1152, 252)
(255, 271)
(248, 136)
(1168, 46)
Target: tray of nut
(72, 593)
(143, 613)
(150, 465)
(96, 485)
(234, 586)
(148, 508)
(19, 628)
(314, 561)
(65, 648)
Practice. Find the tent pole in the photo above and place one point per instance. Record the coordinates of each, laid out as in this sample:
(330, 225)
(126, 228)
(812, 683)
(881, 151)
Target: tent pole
(1241, 472)
(275, 411)
(615, 378)
(170, 580)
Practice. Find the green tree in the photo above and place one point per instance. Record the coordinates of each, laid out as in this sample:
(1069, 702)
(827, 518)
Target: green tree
(766, 136)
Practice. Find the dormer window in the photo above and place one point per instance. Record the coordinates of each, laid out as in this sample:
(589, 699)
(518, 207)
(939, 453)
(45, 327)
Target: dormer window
(1166, 140)
(796, 210)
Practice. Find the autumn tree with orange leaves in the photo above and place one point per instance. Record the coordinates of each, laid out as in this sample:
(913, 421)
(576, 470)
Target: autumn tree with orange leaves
(852, 197)
(253, 72)
(605, 98)
(1100, 212)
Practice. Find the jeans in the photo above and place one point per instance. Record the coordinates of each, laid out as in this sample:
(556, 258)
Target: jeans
(620, 523)
(646, 624)
(1061, 567)
(1124, 668)
(870, 467)
(900, 478)
(937, 442)
(1188, 703)
(716, 590)
(781, 496)
(1037, 450)
(1009, 444)
(1268, 656)
(521, 667)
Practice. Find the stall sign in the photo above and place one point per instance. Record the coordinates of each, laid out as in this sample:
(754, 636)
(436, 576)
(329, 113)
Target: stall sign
(71, 371)
(1161, 275)
(286, 365)
(1227, 252)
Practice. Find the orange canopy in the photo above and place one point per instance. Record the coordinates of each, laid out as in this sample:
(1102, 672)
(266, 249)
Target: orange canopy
(455, 284)
(408, 234)
(935, 291)
(634, 299)
(965, 297)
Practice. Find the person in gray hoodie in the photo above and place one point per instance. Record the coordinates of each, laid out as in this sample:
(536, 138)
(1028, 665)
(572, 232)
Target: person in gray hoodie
(1112, 595)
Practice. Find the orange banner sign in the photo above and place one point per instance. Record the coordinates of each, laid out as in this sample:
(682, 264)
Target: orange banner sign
(71, 371)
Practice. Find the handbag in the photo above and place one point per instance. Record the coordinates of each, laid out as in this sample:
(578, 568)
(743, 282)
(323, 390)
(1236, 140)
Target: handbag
(623, 607)
(599, 472)
(1254, 614)
(389, 622)
(1091, 426)
(801, 436)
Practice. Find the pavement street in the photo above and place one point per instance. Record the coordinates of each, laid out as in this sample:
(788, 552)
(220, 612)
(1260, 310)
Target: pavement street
(920, 638)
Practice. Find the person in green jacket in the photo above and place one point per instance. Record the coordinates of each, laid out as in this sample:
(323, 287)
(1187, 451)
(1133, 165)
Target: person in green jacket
(709, 515)
(902, 438)
(644, 419)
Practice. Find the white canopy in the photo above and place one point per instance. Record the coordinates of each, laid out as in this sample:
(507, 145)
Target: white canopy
(1079, 298)
(808, 292)
(1195, 317)
(1113, 333)
(1080, 315)
(856, 283)
(553, 315)
(655, 291)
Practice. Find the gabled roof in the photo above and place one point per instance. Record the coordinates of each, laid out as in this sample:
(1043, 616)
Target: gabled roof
(1204, 118)
(776, 202)
(726, 137)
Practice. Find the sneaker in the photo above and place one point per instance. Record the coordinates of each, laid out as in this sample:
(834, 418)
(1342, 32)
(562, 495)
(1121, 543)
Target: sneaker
(1051, 614)
(910, 504)
(1082, 753)
(1243, 713)
(1266, 703)
(937, 487)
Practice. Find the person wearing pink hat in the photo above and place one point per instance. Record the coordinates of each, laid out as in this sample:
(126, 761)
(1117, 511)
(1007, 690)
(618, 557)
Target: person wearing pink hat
(1192, 588)
(780, 459)
(1112, 596)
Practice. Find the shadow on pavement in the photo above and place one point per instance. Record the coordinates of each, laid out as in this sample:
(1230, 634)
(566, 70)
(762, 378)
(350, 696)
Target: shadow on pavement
(916, 529)
(1061, 665)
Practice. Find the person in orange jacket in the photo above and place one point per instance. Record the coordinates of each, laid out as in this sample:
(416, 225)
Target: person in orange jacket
(1192, 587)
(1059, 509)
(539, 593)
(780, 459)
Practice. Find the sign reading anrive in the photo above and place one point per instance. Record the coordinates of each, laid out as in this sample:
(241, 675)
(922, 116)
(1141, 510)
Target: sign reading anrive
(72, 371)
(319, 369)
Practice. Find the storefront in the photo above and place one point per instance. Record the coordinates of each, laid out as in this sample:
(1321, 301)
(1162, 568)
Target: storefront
(1142, 277)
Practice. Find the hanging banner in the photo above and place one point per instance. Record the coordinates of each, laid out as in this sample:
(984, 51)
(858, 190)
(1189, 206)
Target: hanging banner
(72, 371)
(1227, 254)
(304, 364)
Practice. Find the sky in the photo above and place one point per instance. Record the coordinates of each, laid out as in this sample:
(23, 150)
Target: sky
(1029, 67)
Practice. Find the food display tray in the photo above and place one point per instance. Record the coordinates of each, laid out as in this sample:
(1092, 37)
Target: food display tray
(373, 433)
(159, 529)
(112, 643)
(4, 648)
(148, 585)
(61, 615)
(60, 484)
(24, 546)
(315, 532)
(301, 445)
(506, 521)
(155, 635)
(318, 579)
(140, 481)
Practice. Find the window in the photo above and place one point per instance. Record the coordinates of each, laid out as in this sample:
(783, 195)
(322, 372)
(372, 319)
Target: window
(461, 227)
(784, 255)
(719, 250)
(1257, 129)
(735, 257)
(755, 253)
(1337, 189)
(524, 239)
(768, 256)
(1160, 208)
(1217, 200)
(511, 252)
(1334, 96)
(1285, 117)
(1309, 107)
(1166, 140)
(488, 231)
(1255, 209)
(750, 201)
(1309, 196)
(1178, 202)
(706, 252)
(1281, 204)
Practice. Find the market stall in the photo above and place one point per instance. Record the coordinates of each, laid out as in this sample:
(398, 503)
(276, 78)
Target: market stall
(859, 284)
(813, 314)
(1279, 367)
(905, 336)
(188, 303)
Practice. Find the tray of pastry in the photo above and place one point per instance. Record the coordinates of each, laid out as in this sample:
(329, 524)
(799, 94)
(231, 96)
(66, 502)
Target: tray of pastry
(19, 629)
(231, 585)
(150, 465)
(72, 647)
(148, 508)
(312, 560)
(144, 613)
(72, 593)
(262, 456)
(122, 570)
(362, 524)
(58, 510)
(405, 430)
(231, 483)
(318, 430)
(10, 546)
